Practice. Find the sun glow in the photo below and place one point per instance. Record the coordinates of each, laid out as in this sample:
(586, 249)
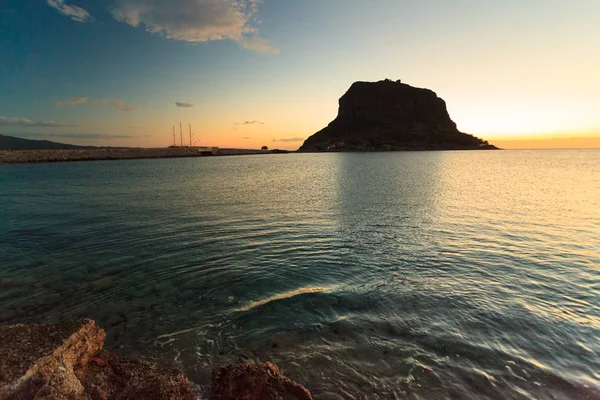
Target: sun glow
(522, 120)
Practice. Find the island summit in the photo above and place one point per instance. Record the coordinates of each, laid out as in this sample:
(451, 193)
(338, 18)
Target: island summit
(389, 116)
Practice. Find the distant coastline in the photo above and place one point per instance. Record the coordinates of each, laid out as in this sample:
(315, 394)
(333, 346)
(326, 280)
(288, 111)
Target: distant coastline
(113, 153)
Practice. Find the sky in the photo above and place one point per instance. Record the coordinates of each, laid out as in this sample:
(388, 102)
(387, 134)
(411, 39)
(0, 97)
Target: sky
(248, 73)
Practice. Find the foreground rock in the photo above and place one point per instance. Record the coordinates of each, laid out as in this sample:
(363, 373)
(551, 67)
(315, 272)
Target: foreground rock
(387, 115)
(67, 362)
(255, 382)
(106, 377)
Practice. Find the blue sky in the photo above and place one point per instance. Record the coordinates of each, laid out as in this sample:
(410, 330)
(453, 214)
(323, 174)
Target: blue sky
(111, 71)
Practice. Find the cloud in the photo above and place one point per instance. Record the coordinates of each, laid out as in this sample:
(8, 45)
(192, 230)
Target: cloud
(246, 138)
(75, 13)
(288, 140)
(258, 45)
(197, 20)
(184, 105)
(89, 136)
(118, 104)
(250, 123)
(71, 102)
(76, 135)
(26, 123)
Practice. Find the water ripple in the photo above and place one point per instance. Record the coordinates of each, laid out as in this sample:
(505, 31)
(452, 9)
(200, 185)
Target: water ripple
(389, 275)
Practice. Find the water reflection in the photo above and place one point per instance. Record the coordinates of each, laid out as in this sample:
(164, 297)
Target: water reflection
(443, 274)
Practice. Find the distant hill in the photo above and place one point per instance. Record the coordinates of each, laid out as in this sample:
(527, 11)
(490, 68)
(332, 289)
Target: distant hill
(387, 115)
(15, 143)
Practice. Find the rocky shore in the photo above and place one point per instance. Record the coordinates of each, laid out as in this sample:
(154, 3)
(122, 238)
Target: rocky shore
(68, 361)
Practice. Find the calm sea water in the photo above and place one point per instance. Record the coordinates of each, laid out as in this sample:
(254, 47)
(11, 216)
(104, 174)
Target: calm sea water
(423, 275)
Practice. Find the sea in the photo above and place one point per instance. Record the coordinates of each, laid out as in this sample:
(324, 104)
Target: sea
(400, 275)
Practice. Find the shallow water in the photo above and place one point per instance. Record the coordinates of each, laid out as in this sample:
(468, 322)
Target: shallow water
(421, 275)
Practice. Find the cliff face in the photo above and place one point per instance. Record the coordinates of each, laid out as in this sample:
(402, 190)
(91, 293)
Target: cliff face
(389, 115)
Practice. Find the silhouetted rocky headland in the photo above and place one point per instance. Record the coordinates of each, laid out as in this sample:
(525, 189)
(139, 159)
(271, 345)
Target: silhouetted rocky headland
(388, 116)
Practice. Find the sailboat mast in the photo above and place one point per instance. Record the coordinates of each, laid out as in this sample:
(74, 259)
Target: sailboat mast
(180, 135)
(174, 142)
(190, 135)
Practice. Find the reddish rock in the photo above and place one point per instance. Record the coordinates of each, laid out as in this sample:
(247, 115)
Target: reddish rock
(98, 361)
(34, 357)
(52, 361)
(255, 382)
(67, 362)
(107, 377)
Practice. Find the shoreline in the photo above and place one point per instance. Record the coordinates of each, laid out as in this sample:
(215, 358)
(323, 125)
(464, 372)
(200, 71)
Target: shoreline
(100, 154)
(8, 157)
(68, 361)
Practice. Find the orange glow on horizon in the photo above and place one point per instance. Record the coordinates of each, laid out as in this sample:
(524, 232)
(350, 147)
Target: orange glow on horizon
(548, 143)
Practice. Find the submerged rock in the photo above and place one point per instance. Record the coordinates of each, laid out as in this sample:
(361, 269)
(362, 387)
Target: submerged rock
(107, 377)
(102, 284)
(255, 382)
(387, 115)
(40, 358)
(67, 361)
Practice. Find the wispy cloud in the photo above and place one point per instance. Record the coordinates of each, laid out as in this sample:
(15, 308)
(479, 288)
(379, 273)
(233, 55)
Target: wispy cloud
(71, 102)
(246, 138)
(250, 123)
(118, 104)
(75, 13)
(184, 105)
(27, 123)
(82, 136)
(288, 140)
(197, 20)
(258, 45)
